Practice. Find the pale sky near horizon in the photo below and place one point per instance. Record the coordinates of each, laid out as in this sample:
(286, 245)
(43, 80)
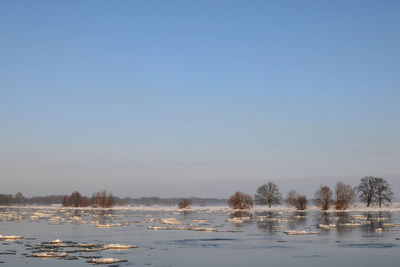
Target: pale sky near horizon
(197, 98)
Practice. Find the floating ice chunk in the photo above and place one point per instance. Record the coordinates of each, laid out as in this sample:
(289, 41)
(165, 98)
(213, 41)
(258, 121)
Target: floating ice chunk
(106, 260)
(360, 217)
(195, 228)
(108, 225)
(10, 237)
(119, 246)
(238, 220)
(282, 220)
(200, 221)
(235, 220)
(327, 226)
(50, 255)
(379, 219)
(170, 221)
(391, 224)
(156, 228)
(292, 232)
(351, 224)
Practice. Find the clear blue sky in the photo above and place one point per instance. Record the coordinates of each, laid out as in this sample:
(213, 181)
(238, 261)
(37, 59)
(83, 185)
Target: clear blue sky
(180, 98)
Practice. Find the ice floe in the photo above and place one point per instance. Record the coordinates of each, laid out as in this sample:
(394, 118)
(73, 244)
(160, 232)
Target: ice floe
(293, 232)
(106, 260)
(10, 237)
(50, 255)
(118, 246)
(327, 226)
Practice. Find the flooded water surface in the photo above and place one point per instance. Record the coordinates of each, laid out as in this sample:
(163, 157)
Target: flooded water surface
(197, 237)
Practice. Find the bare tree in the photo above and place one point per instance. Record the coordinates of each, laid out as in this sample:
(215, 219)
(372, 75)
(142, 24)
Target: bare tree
(383, 192)
(241, 201)
(323, 197)
(75, 200)
(345, 195)
(367, 189)
(268, 194)
(184, 203)
(19, 198)
(100, 199)
(65, 201)
(298, 201)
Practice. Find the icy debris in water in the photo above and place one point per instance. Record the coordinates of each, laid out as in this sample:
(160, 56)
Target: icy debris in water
(200, 221)
(50, 255)
(108, 225)
(156, 228)
(351, 224)
(196, 228)
(170, 221)
(282, 220)
(106, 260)
(379, 219)
(238, 220)
(293, 232)
(118, 246)
(10, 237)
(391, 225)
(360, 217)
(327, 226)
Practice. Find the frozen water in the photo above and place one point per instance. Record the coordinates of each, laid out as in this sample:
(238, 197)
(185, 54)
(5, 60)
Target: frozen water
(199, 237)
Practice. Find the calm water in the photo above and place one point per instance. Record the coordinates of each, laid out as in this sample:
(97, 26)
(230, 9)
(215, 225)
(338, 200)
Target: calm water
(231, 239)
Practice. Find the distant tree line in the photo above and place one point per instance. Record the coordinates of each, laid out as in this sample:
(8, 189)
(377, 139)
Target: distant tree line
(19, 199)
(99, 199)
(370, 190)
(77, 200)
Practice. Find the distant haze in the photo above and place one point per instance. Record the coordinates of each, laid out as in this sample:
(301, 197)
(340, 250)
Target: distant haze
(183, 98)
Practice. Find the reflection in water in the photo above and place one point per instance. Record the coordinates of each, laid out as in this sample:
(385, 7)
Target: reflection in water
(104, 216)
(343, 222)
(324, 218)
(297, 219)
(241, 218)
(376, 221)
(267, 221)
(241, 214)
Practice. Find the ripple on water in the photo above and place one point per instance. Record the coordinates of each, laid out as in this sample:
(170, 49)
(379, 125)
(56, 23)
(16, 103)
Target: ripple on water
(370, 245)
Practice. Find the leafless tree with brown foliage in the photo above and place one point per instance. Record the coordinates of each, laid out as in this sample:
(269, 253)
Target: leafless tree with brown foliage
(100, 199)
(75, 200)
(384, 193)
(268, 194)
(323, 197)
(345, 195)
(298, 201)
(184, 203)
(241, 201)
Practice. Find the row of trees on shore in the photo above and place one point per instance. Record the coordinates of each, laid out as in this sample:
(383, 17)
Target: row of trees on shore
(370, 190)
(99, 199)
